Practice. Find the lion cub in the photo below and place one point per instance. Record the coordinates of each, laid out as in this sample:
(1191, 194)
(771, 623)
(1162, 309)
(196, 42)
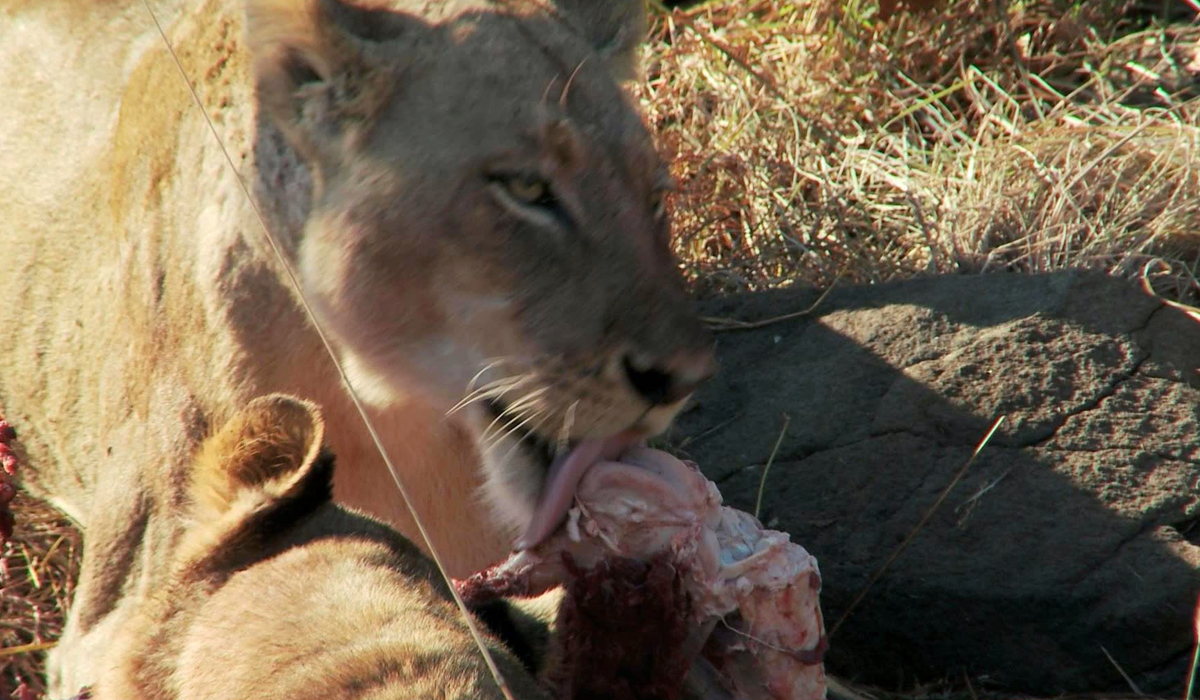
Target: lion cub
(276, 592)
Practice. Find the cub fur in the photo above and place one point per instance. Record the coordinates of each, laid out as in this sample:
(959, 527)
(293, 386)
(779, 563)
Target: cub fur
(469, 200)
(276, 592)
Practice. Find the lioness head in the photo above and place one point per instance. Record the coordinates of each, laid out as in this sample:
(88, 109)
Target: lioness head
(487, 225)
(276, 592)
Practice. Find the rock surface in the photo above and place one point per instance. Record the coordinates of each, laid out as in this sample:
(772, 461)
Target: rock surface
(1074, 534)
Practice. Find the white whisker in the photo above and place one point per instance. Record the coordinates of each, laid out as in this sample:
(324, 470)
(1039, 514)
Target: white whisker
(491, 390)
(507, 416)
(492, 364)
(538, 418)
(529, 398)
(517, 444)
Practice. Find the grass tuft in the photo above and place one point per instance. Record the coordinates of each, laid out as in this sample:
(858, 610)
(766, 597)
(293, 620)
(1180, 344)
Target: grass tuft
(810, 138)
(37, 577)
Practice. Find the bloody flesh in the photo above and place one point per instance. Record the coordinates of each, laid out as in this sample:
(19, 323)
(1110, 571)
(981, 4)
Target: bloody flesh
(740, 603)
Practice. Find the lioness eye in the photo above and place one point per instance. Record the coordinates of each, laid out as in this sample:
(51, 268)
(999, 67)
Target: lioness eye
(531, 190)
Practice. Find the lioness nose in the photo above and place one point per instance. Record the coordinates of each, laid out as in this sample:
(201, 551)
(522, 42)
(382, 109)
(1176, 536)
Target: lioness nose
(669, 379)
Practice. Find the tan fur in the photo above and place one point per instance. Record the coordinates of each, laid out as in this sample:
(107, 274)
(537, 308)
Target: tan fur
(141, 302)
(279, 593)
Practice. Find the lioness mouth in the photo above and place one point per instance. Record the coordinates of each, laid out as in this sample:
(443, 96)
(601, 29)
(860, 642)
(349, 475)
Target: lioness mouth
(563, 470)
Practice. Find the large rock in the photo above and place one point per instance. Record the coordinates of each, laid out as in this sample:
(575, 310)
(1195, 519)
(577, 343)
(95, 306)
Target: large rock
(1074, 534)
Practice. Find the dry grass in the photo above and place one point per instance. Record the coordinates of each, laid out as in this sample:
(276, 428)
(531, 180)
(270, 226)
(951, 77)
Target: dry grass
(815, 140)
(37, 577)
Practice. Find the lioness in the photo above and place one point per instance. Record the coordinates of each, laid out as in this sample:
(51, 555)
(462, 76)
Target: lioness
(473, 209)
(276, 592)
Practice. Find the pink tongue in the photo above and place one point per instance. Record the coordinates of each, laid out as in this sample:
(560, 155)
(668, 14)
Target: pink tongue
(561, 482)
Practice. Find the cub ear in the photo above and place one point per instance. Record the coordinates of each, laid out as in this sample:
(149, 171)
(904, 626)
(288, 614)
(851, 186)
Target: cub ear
(324, 68)
(615, 28)
(255, 478)
(268, 452)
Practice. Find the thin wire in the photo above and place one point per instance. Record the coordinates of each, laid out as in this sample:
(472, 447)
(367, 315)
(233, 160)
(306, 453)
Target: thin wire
(487, 656)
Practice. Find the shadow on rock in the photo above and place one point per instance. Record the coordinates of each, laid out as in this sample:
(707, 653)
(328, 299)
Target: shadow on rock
(1074, 534)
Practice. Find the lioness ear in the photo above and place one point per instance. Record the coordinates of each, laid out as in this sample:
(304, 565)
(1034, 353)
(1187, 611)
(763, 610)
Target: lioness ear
(268, 452)
(322, 68)
(615, 28)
